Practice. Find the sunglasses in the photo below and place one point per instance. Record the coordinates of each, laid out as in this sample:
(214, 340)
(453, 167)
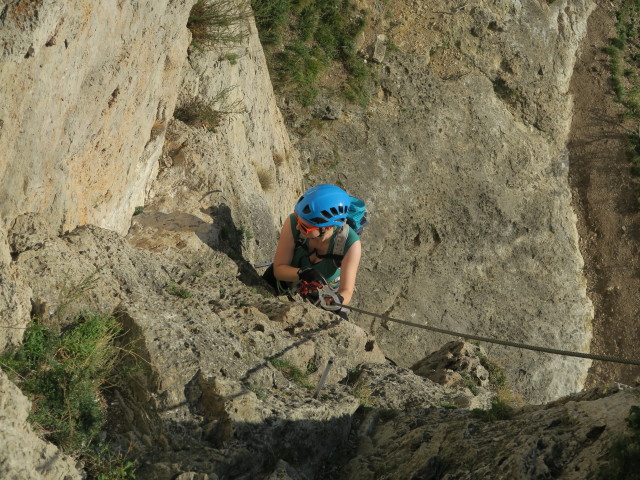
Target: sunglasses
(306, 230)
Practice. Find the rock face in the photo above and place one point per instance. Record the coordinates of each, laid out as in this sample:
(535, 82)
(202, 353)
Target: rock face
(461, 159)
(566, 439)
(463, 149)
(212, 363)
(88, 89)
(15, 306)
(462, 163)
(239, 179)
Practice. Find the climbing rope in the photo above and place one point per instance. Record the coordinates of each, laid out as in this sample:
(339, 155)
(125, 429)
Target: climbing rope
(535, 348)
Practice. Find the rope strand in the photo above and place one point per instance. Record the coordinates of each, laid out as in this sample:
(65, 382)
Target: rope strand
(507, 343)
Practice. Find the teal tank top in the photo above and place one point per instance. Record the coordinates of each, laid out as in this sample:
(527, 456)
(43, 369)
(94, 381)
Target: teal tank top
(327, 266)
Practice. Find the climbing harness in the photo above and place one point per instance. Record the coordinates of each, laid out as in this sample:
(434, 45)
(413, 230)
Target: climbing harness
(535, 348)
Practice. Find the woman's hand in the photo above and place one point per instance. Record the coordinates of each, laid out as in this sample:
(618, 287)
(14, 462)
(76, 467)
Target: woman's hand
(311, 275)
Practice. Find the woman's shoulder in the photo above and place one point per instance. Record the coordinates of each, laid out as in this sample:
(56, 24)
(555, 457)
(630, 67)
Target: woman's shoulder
(292, 223)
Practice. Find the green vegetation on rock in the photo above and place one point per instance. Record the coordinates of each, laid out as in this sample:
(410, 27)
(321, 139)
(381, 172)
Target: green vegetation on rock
(218, 22)
(292, 373)
(302, 39)
(624, 54)
(624, 455)
(64, 374)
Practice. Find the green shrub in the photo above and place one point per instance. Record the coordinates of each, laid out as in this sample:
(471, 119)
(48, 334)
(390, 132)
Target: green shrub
(271, 18)
(302, 39)
(178, 291)
(501, 409)
(497, 376)
(624, 51)
(107, 465)
(63, 375)
(624, 55)
(218, 22)
(198, 114)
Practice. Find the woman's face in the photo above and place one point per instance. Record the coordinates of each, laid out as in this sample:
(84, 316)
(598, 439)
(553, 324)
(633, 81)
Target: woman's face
(306, 229)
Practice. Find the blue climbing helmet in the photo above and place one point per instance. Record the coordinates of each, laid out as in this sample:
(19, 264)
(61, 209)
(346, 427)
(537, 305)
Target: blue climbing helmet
(324, 206)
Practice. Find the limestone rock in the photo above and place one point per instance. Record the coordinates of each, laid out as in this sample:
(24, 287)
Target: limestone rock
(447, 365)
(396, 388)
(87, 92)
(566, 439)
(15, 293)
(30, 231)
(238, 181)
(379, 48)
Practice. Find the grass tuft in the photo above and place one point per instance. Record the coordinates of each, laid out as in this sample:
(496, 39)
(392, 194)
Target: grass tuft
(501, 409)
(292, 373)
(178, 291)
(278, 159)
(198, 114)
(64, 374)
(265, 177)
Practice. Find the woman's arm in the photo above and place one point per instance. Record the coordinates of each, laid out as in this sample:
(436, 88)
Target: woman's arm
(284, 254)
(348, 271)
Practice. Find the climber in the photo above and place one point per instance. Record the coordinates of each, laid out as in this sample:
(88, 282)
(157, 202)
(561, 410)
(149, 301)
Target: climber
(306, 259)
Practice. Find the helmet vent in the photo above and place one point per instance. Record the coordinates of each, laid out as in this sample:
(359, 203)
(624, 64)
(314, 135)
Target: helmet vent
(306, 209)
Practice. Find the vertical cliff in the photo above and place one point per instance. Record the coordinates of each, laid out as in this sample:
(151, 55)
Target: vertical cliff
(88, 89)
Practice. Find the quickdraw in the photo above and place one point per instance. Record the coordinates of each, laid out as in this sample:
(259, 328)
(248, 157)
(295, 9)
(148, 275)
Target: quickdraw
(324, 294)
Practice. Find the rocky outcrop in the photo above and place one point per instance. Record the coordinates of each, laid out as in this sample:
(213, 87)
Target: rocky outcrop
(15, 306)
(212, 360)
(567, 439)
(216, 362)
(461, 159)
(468, 131)
(215, 391)
(23, 454)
